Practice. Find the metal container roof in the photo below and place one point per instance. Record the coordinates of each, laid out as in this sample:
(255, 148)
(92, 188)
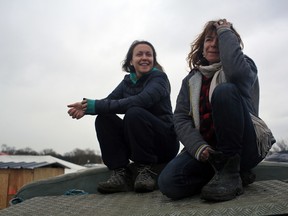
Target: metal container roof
(29, 165)
(32, 162)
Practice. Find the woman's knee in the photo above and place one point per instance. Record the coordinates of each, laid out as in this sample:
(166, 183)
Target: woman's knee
(166, 184)
(173, 187)
(101, 120)
(170, 181)
(226, 95)
(104, 121)
(224, 90)
(134, 112)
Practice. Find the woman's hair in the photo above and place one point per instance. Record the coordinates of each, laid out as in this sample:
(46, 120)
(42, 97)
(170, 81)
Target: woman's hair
(126, 66)
(195, 57)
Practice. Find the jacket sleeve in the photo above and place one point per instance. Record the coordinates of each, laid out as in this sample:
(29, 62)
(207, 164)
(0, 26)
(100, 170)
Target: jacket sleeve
(238, 68)
(117, 93)
(184, 125)
(155, 88)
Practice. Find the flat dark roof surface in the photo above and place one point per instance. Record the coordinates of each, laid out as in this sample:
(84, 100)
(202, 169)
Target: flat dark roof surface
(260, 198)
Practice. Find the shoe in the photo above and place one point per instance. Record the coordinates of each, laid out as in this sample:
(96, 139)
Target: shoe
(248, 177)
(145, 180)
(226, 183)
(120, 181)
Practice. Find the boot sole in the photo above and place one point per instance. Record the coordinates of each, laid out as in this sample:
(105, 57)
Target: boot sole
(221, 197)
(143, 188)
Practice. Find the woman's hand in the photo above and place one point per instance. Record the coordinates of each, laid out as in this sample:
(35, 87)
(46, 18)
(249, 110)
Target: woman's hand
(222, 23)
(205, 154)
(77, 110)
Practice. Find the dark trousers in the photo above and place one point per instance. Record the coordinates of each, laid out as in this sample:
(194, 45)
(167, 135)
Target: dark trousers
(139, 136)
(185, 176)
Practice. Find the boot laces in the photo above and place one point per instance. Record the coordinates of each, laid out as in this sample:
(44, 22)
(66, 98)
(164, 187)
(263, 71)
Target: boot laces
(145, 172)
(117, 176)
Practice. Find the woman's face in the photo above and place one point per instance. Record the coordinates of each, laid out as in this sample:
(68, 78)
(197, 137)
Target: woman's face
(142, 59)
(210, 49)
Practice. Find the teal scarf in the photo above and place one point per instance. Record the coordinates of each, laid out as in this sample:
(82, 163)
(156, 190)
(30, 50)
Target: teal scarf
(133, 76)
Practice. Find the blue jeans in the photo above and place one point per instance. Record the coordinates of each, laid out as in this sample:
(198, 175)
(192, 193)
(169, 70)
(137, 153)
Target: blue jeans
(184, 175)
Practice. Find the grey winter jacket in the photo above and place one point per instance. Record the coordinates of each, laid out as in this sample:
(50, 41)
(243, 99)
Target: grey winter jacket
(238, 68)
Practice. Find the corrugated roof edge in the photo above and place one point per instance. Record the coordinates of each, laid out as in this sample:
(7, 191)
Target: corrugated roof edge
(29, 165)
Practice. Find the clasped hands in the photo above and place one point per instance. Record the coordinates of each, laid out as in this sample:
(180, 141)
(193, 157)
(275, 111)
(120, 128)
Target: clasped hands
(77, 110)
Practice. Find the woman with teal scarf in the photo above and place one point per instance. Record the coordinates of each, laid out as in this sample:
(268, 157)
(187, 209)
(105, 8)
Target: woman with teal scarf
(146, 134)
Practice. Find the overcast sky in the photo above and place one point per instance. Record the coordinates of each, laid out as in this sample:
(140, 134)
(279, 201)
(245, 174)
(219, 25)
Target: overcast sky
(55, 52)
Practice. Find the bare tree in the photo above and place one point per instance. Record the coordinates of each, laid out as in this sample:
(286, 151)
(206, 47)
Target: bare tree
(48, 152)
(7, 149)
(26, 151)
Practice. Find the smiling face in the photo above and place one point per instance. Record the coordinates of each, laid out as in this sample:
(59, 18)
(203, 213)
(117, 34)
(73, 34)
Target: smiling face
(210, 48)
(142, 59)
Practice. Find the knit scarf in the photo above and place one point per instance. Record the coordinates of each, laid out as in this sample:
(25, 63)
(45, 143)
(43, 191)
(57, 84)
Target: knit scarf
(214, 70)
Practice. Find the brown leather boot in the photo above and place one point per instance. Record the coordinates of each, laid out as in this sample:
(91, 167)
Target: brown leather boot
(226, 183)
